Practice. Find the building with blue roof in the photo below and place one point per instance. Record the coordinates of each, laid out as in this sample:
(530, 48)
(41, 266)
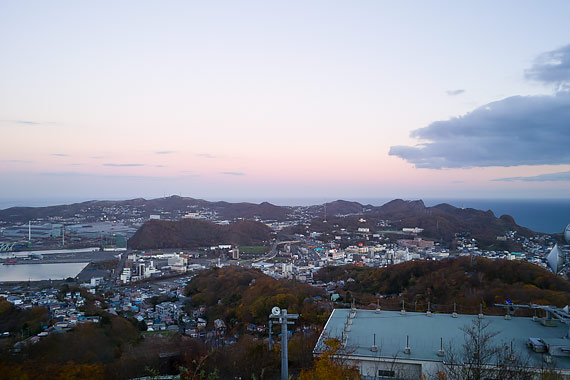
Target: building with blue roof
(409, 345)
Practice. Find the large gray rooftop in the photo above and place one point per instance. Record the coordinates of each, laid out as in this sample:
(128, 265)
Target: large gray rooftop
(425, 334)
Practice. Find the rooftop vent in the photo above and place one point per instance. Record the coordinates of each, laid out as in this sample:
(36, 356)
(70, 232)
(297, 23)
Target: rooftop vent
(407, 349)
(440, 352)
(374, 347)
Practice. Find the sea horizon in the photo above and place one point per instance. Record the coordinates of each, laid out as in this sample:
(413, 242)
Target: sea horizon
(546, 215)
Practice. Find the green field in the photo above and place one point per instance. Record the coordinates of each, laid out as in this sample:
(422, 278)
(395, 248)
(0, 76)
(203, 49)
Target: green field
(254, 249)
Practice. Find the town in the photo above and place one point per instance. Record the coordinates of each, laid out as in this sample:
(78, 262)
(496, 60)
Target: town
(148, 285)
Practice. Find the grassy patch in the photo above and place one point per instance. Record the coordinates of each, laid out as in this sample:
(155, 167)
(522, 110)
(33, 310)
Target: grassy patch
(254, 249)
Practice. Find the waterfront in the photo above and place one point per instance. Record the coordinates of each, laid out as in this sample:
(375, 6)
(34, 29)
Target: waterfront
(39, 272)
(24, 254)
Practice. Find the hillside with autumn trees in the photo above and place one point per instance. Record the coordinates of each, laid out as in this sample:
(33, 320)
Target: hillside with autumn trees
(247, 295)
(440, 223)
(468, 282)
(117, 348)
(24, 322)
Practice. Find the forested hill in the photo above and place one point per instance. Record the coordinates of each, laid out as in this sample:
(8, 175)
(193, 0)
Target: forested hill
(247, 295)
(96, 209)
(192, 233)
(440, 223)
(468, 282)
(443, 221)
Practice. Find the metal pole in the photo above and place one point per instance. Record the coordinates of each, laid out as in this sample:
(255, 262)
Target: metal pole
(284, 358)
(284, 319)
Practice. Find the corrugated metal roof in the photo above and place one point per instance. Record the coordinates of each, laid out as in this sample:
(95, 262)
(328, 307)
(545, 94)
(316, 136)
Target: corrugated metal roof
(425, 334)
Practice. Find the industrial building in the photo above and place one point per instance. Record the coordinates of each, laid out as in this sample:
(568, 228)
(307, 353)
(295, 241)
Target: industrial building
(409, 345)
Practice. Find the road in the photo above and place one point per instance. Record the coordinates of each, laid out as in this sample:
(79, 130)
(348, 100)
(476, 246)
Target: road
(119, 268)
(271, 254)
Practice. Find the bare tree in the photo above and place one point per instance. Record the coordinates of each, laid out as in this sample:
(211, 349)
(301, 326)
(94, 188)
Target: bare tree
(480, 358)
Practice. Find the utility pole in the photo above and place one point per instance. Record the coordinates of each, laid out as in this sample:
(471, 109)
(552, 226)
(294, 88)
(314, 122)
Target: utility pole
(283, 317)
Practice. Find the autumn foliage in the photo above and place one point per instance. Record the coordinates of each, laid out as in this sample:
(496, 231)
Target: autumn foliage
(15, 320)
(247, 295)
(331, 366)
(466, 281)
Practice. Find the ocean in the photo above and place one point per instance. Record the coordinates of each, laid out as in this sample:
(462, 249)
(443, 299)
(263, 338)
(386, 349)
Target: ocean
(541, 215)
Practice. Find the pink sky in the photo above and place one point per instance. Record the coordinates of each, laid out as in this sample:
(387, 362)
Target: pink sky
(261, 101)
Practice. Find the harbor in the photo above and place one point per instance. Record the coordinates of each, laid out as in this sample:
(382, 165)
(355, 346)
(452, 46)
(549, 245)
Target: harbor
(40, 272)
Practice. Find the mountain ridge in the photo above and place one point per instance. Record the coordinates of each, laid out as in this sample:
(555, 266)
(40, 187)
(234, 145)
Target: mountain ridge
(440, 222)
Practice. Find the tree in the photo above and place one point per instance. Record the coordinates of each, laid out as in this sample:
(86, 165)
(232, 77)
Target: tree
(332, 365)
(480, 358)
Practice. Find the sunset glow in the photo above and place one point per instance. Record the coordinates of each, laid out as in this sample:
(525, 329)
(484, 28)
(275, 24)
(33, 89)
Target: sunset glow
(255, 100)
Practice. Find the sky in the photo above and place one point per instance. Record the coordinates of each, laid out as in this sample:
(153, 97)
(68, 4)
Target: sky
(264, 100)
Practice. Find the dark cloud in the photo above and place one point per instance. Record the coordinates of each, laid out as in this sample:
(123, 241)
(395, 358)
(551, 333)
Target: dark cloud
(60, 155)
(520, 130)
(233, 173)
(206, 155)
(164, 152)
(122, 165)
(554, 177)
(159, 166)
(455, 92)
(552, 67)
